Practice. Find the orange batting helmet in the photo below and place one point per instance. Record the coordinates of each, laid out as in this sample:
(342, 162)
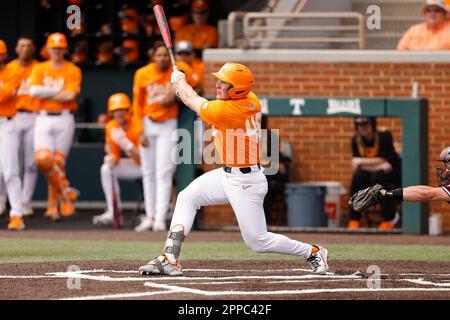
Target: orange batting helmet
(57, 40)
(239, 76)
(118, 101)
(3, 49)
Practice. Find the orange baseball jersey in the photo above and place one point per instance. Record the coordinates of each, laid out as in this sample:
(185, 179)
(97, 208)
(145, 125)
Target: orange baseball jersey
(67, 77)
(420, 37)
(111, 147)
(201, 37)
(9, 84)
(237, 124)
(198, 71)
(23, 100)
(150, 86)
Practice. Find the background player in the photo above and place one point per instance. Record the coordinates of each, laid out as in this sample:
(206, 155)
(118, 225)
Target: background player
(156, 110)
(25, 118)
(57, 83)
(9, 141)
(236, 116)
(121, 136)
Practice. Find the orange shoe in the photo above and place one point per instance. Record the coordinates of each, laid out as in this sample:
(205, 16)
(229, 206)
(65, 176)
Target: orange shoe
(66, 209)
(386, 225)
(16, 223)
(52, 214)
(353, 224)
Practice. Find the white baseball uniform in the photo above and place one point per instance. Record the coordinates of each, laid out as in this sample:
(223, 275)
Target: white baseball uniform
(25, 120)
(240, 182)
(9, 142)
(158, 122)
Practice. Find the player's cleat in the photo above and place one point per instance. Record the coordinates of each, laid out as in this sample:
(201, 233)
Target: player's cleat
(66, 209)
(16, 224)
(159, 225)
(104, 219)
(162, 266)
(52, 214)
(319, 260)
(353, 224)
(27, 210)
(385, 225)
(146, 224)
(2, 208)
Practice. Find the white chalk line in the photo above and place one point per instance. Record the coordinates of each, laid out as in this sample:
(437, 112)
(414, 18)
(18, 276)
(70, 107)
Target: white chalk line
(284, 292)
(121, 295)
(424, 282)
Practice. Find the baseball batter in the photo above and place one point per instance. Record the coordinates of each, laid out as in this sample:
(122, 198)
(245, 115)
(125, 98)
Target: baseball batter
(25, 118)
(57, 85)
(236, 116)
(156, 110)
(121, 137)
(9, 141)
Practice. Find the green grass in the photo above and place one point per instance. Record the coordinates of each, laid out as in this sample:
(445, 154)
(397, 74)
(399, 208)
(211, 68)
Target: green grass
(26, 250)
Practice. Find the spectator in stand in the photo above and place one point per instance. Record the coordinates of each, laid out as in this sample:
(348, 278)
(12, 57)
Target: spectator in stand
(129, 51)
(434, 33)
(79, 52)
(178, 14)
(129, 20)
(105, 53)
(199, 32)
(185, 52)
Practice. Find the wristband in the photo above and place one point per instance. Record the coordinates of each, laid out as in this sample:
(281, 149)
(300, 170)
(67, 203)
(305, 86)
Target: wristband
(396, 194)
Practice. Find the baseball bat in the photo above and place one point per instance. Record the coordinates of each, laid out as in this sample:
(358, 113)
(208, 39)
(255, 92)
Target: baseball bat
(116, 210)
(165, 31)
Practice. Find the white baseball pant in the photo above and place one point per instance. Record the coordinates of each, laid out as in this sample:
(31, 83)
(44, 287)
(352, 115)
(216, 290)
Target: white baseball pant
(245, 193)
(25, 122)
(127, 169)
(9, 164)
(2, 189)
(54, 132)
(158, 167)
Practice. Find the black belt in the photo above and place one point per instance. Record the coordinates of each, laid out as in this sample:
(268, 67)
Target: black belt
(7, 118)
(25, 111)
(244, 170)
(57, 113)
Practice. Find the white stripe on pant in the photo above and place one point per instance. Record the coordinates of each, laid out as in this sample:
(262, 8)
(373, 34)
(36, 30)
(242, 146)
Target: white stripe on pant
(245, 193)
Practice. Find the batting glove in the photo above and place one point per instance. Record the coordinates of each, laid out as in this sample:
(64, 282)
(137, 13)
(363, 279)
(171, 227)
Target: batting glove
(176, 76)
(119, 136)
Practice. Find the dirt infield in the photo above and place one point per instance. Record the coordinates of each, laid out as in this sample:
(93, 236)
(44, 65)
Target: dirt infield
(225, 280)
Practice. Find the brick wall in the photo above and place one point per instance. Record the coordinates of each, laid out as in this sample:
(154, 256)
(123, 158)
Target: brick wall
(322, 145)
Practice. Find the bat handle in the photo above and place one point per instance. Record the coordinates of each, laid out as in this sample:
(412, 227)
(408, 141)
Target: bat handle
(172, 57)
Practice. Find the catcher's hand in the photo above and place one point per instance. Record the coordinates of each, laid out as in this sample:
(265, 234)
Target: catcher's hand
(366, 198)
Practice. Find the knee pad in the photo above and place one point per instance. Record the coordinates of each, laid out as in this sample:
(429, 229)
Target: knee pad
(44, 160)
(60, 159)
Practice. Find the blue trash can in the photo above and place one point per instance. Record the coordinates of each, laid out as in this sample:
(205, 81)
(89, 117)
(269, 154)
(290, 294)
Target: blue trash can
(305, 204)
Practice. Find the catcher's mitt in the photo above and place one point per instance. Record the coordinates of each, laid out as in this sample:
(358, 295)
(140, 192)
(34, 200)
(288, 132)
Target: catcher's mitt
(366, 198)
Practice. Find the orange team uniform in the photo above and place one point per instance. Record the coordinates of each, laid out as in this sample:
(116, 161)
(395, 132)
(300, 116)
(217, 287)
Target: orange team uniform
(68, 77)
(9, 84)
(238, 125)
(420, 37)
(150, 86)
(23, 100)
(132, 134)
(201, 37)
(198, 69)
